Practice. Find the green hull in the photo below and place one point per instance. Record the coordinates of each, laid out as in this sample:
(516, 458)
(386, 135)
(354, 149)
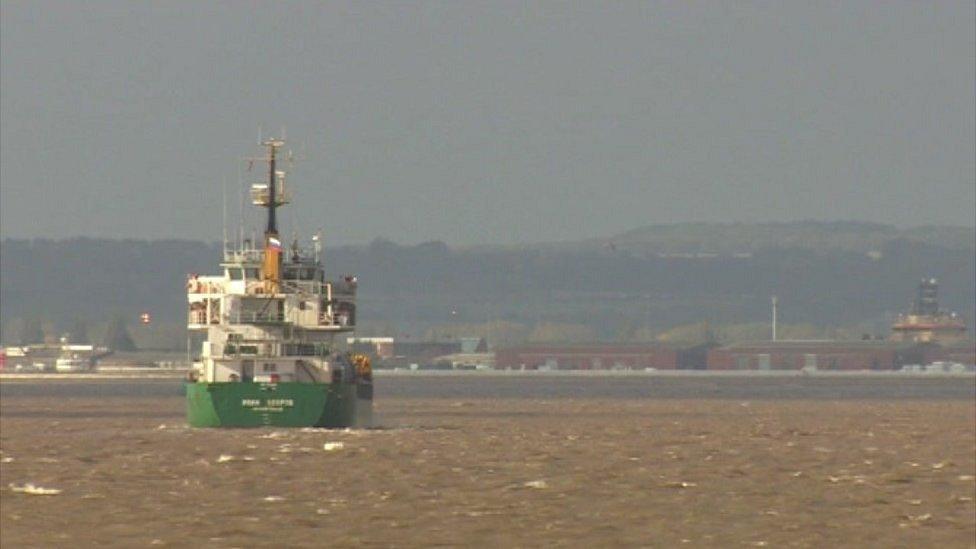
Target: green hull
(236, 404)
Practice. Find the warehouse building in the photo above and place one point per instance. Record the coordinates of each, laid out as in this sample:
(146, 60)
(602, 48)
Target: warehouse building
(960, 351)
(591, 356)
(388, 351)
(814, 355)
(826, 355)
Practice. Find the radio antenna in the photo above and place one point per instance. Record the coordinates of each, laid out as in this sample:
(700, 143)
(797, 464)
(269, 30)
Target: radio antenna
(223, 209)
(240, 203)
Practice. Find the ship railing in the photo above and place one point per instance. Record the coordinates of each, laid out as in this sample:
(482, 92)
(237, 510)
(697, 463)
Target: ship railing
(254, 287)
(305, 349)
(204, 286)
(245, 255)
(260, 287)
(339, 320)
(247, 350)
(303, 287)
(254, 317)
(264, 350)
(199, 316)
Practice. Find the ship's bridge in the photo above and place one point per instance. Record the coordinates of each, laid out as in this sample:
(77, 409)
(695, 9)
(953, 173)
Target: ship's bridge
(302, 298)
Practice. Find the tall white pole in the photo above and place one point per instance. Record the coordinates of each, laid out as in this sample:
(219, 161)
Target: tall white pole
(240, 204)
(223, 209)
(774, 318)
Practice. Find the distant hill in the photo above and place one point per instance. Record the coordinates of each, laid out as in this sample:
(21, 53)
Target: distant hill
(657, 277)
(730, 238)
(97, 278)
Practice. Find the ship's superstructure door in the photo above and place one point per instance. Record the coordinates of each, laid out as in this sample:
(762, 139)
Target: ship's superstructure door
(247, 371)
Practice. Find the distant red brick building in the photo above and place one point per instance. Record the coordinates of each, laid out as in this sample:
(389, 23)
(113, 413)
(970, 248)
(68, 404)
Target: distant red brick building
(593, 356)
(963, 352)
(820, 355)
(755, 355)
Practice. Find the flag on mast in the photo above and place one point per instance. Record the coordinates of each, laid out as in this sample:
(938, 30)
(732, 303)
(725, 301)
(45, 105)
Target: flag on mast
(274, 243)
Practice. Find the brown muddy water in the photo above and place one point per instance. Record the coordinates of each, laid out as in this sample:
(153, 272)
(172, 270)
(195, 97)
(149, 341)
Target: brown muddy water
(495, 472)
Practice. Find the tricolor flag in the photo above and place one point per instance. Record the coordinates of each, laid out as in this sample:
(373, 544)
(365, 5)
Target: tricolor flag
(274, 243)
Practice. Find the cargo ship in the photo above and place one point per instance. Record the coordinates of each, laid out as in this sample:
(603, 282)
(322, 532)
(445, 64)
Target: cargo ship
(271, 320)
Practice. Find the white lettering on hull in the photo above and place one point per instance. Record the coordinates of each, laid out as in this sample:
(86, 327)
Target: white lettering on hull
(269, 405)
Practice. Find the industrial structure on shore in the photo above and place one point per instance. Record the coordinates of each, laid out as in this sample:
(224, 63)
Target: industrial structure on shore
(926, 322)
(924, 336)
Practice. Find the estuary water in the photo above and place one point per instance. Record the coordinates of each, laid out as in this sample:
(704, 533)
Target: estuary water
(561, 386)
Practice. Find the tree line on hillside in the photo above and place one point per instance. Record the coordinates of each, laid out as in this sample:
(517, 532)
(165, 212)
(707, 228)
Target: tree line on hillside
(113, 334)
(602, 292)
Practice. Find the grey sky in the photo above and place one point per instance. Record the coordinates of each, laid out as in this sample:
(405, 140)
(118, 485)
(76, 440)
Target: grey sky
(486, 122)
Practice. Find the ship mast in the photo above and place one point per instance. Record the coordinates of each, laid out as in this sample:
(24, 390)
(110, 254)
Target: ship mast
(271, 268)
(272, 229)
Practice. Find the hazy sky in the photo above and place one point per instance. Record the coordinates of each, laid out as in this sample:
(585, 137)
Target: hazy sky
(480, 122)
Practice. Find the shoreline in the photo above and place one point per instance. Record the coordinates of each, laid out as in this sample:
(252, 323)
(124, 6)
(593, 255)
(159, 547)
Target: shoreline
(129, 374)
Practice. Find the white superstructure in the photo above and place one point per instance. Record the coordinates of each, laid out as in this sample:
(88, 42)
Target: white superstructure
(270, 315)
